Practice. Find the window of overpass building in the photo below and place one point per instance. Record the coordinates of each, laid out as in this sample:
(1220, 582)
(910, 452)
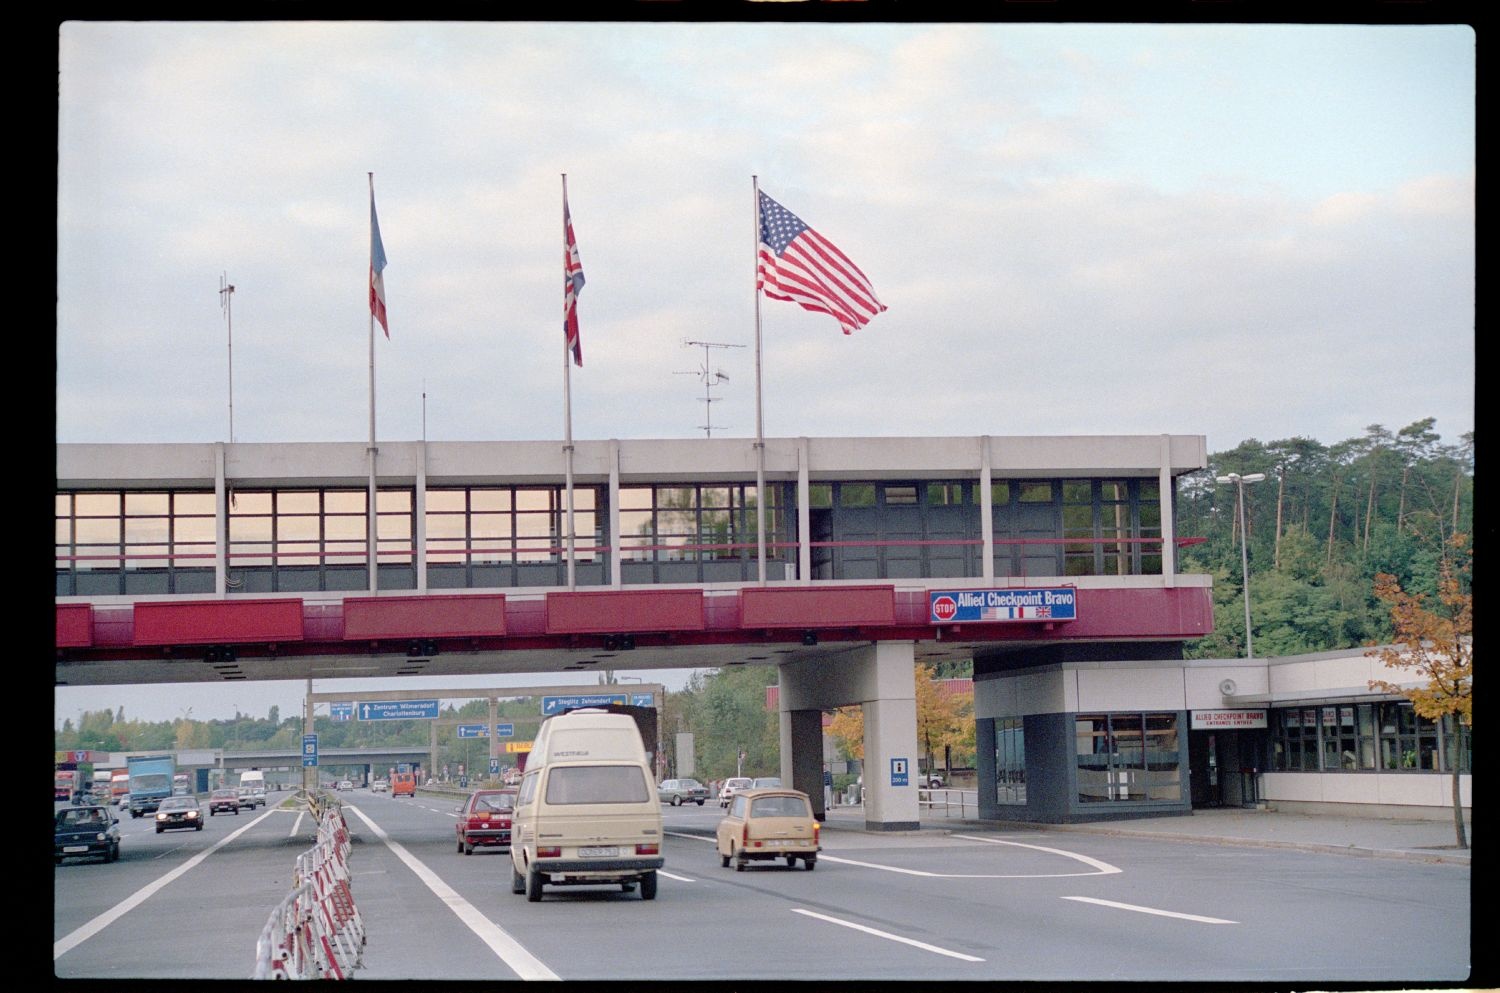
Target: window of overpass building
(1076, 527)
(697, 533)
(130, 542)
(485, 536)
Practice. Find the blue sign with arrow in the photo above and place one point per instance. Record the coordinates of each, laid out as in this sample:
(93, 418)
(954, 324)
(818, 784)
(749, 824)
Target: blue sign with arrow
(341, 710)
(309, 749)
(558, 704)
(398, 710)
(473, 731)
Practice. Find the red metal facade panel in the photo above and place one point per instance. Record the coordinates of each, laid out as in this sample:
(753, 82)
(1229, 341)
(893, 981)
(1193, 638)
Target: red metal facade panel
(218, 622)
(621, 611)
(826, 606)
(75, 625)
(458, 616)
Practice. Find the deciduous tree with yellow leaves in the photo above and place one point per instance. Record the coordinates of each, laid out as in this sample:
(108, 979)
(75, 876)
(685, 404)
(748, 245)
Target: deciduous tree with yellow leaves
(1436, 642)
(944, 720)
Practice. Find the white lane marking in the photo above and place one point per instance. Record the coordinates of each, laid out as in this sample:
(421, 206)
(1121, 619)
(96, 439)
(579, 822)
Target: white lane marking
(888, 936)
(296, 825)
(670, 875)
(509, 950)
(1100, 868)
(68, 942)
(1150, 910)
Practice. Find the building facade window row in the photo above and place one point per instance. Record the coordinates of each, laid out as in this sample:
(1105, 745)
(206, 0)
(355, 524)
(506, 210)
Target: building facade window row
(1131, 757)
(1386, 735)
(311, 539)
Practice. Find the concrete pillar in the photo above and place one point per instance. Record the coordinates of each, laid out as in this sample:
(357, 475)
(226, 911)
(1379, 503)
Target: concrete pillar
(802, 754)
(891, 739)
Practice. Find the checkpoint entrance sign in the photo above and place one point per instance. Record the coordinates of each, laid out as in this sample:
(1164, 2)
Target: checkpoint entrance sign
(557, 704)
(1052, 603)
(398, 710)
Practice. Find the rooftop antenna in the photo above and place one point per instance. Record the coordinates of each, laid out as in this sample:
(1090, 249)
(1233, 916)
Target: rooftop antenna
(226, 294)
(710, 380)
(424, 410)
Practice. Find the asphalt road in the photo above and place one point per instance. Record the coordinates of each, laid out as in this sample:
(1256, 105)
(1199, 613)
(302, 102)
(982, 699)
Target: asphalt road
(1003, 904)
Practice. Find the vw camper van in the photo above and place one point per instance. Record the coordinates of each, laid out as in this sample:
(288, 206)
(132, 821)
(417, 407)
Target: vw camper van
(587, 812)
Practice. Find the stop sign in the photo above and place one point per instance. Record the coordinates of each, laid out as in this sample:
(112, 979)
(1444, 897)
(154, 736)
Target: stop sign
(943, 608)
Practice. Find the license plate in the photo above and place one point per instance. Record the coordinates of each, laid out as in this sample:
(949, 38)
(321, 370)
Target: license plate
(599, 851)
(75, 848)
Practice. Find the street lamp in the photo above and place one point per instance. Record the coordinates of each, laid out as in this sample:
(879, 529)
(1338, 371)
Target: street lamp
(1239, 481)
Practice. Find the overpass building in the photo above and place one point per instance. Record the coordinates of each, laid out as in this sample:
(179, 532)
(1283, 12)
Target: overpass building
(228, 562)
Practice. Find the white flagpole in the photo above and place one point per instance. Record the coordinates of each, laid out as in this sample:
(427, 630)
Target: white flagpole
(370, 519)
(567, 398)
(760, 440)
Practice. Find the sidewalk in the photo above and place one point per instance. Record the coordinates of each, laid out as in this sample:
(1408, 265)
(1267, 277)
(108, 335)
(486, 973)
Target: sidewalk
(1371, 837)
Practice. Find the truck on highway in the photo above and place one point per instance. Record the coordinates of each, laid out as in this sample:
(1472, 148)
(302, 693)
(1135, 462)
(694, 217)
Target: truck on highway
(150, 781)
(64, 782)
(119, 785)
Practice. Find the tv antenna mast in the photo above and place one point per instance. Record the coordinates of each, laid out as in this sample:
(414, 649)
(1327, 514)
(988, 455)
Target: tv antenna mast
(226, 294)
(710, 379)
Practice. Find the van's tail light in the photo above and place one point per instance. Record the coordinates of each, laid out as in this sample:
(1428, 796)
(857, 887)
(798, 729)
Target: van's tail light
(550, 852)
(651, 849)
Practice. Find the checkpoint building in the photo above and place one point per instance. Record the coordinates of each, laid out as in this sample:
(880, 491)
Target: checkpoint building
(1051, 562)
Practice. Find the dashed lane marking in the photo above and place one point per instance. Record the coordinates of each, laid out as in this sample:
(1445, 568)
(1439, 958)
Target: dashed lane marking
(1150, 910)
(888, 936)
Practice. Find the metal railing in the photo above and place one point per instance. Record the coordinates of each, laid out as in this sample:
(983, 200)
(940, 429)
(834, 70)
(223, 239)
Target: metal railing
(952, 802)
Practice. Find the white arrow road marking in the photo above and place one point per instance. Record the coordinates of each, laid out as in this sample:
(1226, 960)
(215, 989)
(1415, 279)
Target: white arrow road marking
(888, 936)
(1150, 910)
(526, 965)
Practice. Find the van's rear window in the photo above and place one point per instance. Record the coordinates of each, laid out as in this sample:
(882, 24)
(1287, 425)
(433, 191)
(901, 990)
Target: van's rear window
(597, 784)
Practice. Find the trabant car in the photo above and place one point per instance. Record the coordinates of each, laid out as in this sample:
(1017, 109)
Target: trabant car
(767, 825)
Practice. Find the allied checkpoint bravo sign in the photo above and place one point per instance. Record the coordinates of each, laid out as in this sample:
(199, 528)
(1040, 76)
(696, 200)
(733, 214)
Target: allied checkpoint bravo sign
(1052, 603)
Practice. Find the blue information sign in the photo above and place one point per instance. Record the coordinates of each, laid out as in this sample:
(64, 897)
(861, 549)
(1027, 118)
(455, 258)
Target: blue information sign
(505, 730)
(557, 704)
(898, 772)
(341, 710)
(473, 731)
(398, 710)
(495, 766)
(309, 749)
(1056, 603)
(641, 699)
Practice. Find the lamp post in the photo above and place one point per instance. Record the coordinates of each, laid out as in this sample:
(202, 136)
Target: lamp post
(1239, 482)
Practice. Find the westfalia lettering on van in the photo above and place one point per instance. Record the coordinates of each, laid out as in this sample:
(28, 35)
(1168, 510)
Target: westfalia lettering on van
(587, 812)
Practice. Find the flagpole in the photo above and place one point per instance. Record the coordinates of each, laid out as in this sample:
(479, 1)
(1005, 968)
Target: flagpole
(760, 440)
(567, 397)
(370, 518)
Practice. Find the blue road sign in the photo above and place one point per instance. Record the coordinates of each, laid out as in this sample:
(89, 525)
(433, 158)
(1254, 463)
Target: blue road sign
(641, 699)
(398, 710)
(899, 772)
(505, 730)
(309, 749)
(473, 731)
(557, 704)
(341, 710)
(495, 766)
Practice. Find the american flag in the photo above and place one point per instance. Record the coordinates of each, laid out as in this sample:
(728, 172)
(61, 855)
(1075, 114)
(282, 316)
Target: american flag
(377, 268)
(572, 284)
(797, 264)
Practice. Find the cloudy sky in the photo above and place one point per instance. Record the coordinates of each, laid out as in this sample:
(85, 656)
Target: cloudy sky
(1239, 231)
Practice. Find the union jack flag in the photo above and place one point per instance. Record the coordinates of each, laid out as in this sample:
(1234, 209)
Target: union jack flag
(572, 284)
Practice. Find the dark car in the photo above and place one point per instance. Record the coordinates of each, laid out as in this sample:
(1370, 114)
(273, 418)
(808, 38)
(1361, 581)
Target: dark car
(179, 812)
(484, 819)
(78, 832)
(224, 801)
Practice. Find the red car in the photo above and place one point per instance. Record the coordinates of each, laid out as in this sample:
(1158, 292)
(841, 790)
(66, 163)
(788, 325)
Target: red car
(224, 801)
(484, 819)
